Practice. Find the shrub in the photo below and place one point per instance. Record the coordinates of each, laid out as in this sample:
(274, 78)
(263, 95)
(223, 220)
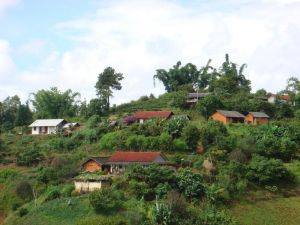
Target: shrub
(23, 212)
(265, 171)
(190, 184)
(191, 136)
(179, 145)
(24, 190)
(208, 105)
(29, 157)
(112, 141)
(93, 121)
(106, 200)
(52, 193)
(7, 174)
(67, 190)
(107, 220)
(175, 125)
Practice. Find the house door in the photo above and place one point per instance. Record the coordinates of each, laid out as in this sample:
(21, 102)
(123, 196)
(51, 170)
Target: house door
(46, 130)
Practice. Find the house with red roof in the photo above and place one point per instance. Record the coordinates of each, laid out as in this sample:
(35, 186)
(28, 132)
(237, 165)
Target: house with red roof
(119, 160)
(141, 116)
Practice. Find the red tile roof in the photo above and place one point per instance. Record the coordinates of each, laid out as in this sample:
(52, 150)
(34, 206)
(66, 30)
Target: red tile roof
(153, 114)
(284, 97)
(134, 156)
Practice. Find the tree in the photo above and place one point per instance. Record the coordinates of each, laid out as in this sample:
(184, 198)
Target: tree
(55, 104)
(293, 89)
(23, 116)
(108, 80)
(267, 171)
(190, 184)
(230, 79)
(177, 76)
(8, 111)
(106, 199)
(209, 105)
(191, 136)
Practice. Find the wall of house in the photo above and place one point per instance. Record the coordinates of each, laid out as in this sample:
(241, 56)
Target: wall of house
(261, 121)
(52, 130)
(249, 119)
(219, 117)
(91, 166)
(86, 186)
(35, 130)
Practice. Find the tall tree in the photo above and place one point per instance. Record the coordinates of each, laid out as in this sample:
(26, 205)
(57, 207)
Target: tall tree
(23, 116)
(231, 78)
(55, 104)
(8, 111)
(177, 76)
(293, 89)
(108, 81)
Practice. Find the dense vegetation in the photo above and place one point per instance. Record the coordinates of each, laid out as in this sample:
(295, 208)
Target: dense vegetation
(222, 169)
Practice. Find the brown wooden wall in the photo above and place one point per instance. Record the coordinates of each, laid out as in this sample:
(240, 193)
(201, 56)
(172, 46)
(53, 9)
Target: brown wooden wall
(250, 119)
(91, 166)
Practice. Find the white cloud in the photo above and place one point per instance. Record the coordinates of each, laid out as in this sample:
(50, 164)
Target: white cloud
(138, 37)
(4, 4)
(7, 65)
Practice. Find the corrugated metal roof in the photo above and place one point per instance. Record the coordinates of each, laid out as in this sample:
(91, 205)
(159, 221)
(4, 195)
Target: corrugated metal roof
(259, 114)
(232, 114)
(134, 157)
(46, 123)
(152, 114)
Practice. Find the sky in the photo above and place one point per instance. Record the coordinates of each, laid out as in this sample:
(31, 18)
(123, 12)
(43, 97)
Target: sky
(67, 43)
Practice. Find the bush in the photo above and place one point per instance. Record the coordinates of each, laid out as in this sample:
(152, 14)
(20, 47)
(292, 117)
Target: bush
(107, 220)
(179, 145)
(191, 136)
(23, 212)
(265, 171)
(52, 193)
(113, 141)
(7, 174)
(29, 157)
(190, 184)
(67, 190)
(106, 200)
(24, 190)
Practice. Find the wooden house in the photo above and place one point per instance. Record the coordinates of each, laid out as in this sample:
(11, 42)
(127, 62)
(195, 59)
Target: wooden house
(47, 126)
(227, 117)
(146, 115)
(257, 118)
(95, 164)
(119, 160)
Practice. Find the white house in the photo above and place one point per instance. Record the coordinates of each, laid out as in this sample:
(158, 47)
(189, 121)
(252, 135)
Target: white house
(47, 126)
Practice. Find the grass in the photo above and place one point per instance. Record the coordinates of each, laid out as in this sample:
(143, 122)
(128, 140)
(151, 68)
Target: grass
(279, 211)
(55, 212)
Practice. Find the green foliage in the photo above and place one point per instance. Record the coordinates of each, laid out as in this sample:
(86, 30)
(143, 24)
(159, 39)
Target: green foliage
(212, 216)
(113, 141)
(191, 136)
(179, 99)
(8, 174)
(67, 190)
(208, 105)
(275, 142)
(212, 134)
(55, 104)
(107, 81)
(106, 200)
(24, 190)
(150, 181)
(177, 76)
(232, 178)
(190, 184)
(23, 116)
(8, 112)
(267, 171)
(175, 125)
(179, 145)
(107, 220)
(52, 192)
(23, 212)
(162, 214)
(29, 157)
